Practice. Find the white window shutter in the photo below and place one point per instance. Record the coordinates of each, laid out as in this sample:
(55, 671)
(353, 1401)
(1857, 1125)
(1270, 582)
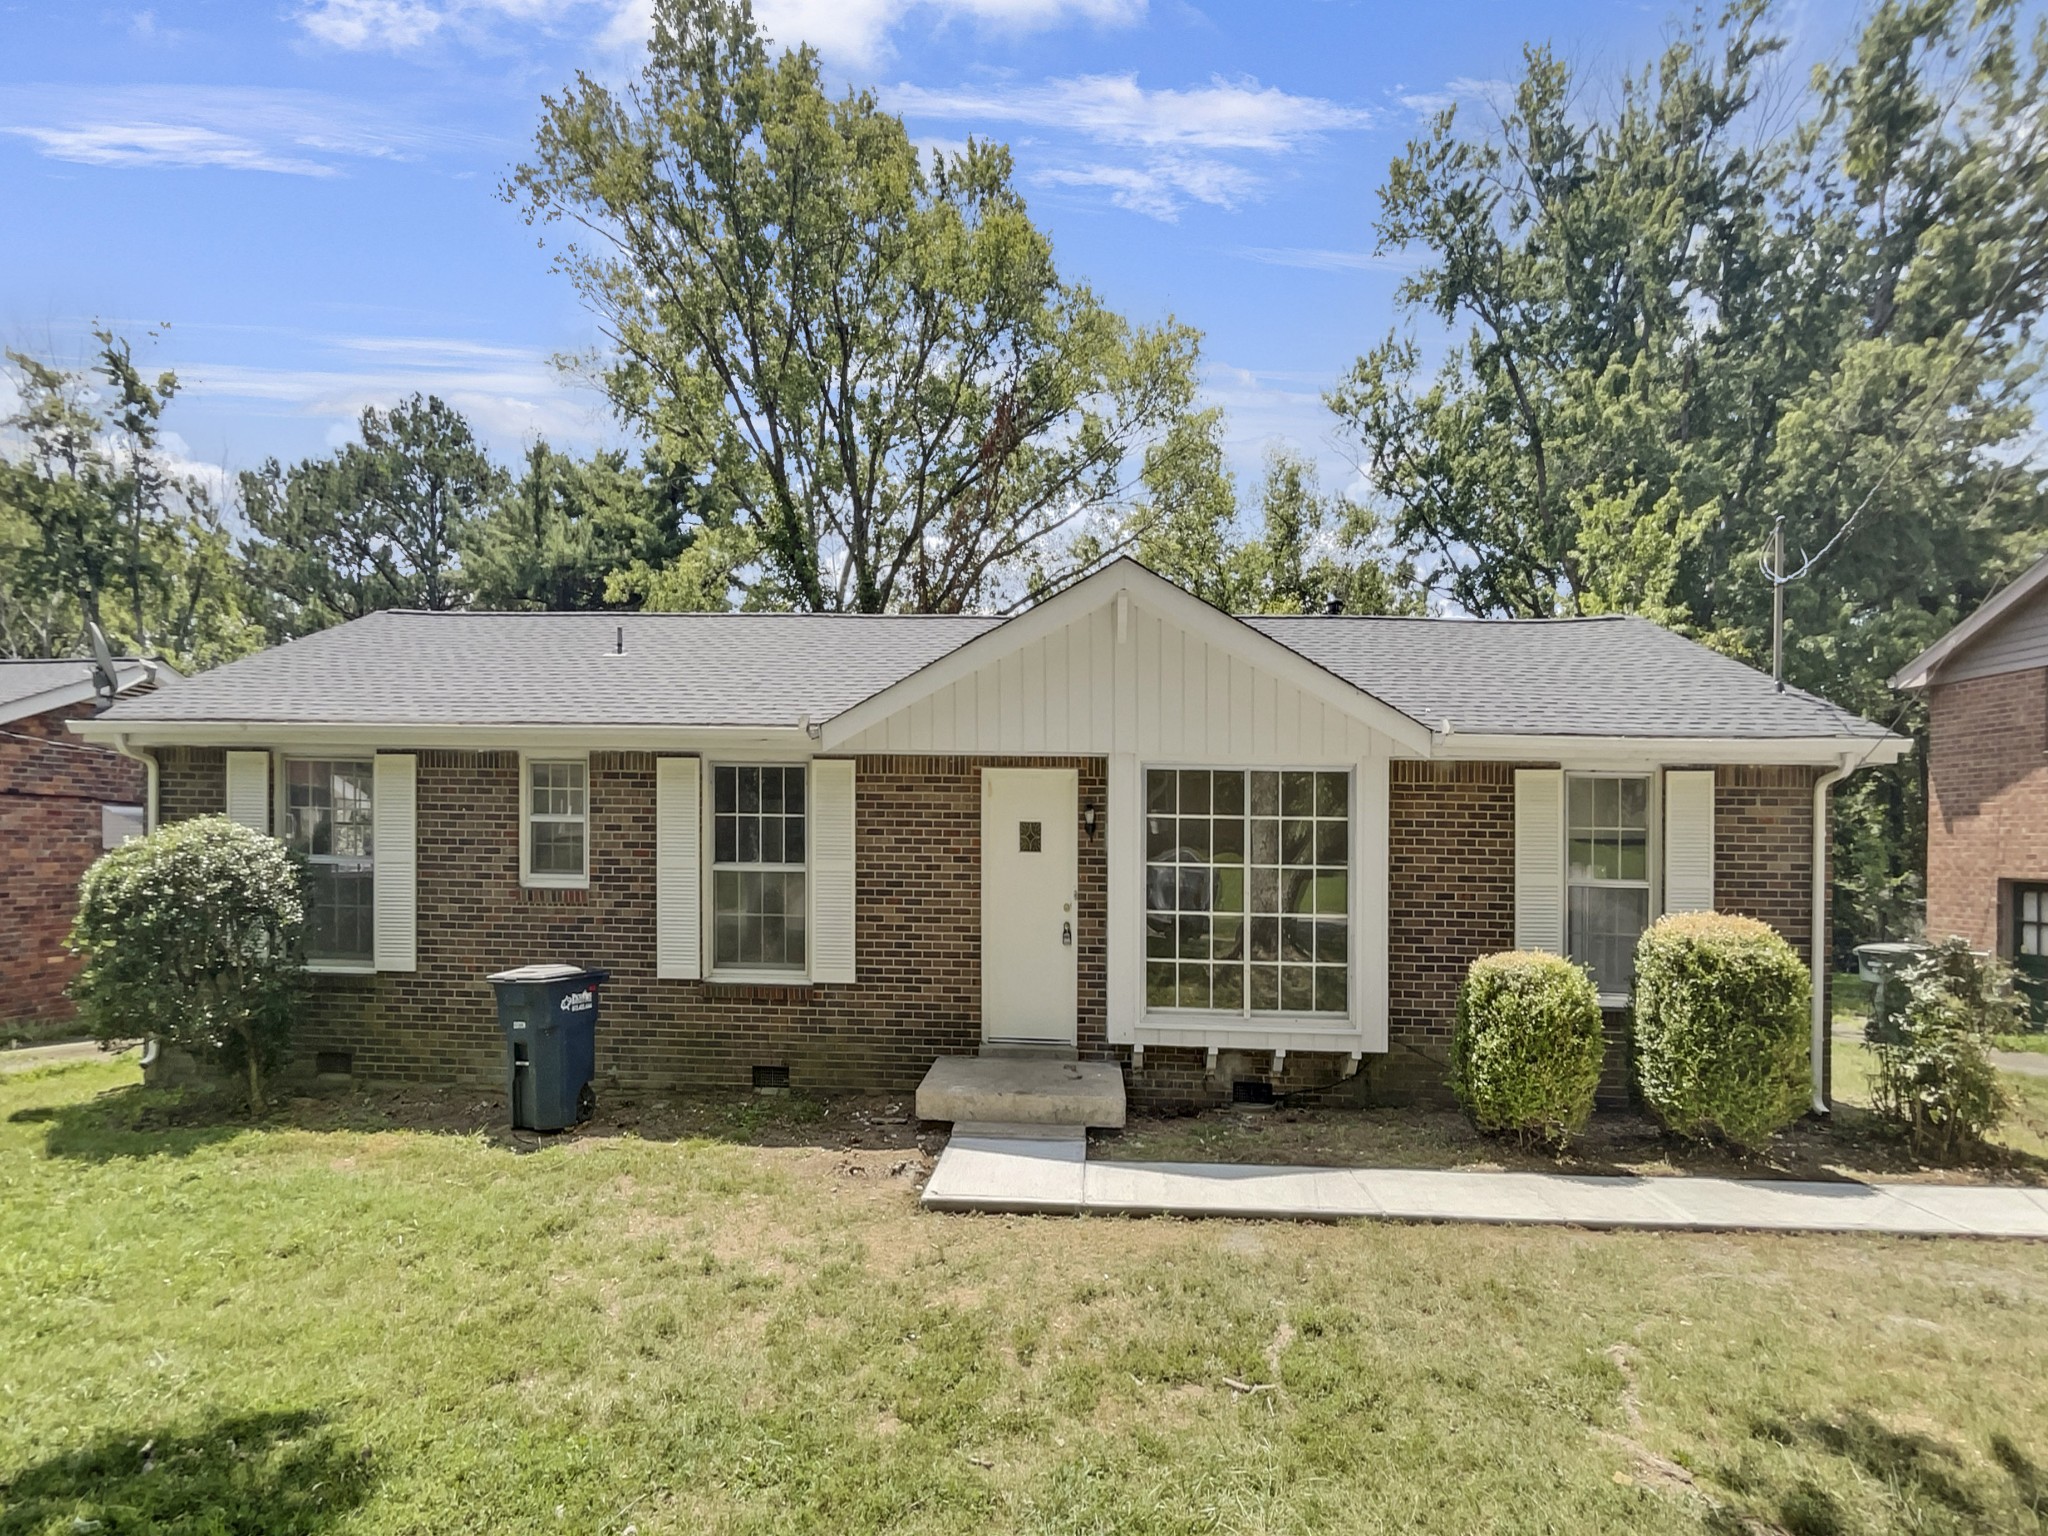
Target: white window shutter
(1689, 840)
(678, 877)
(394, 840)
(832, 874)
(1539, 859)
(248, 796)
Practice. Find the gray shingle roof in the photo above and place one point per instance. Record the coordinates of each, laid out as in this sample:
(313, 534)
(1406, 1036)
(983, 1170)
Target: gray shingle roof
(403, 668)
(1610, 676)
(1591, 677)
(24, 680)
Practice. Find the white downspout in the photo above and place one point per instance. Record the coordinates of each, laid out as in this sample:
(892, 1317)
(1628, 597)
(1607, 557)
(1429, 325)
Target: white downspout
(148, 761)
(1817, 946)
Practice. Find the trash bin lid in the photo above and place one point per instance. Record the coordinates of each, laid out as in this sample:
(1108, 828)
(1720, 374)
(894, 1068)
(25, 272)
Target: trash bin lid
(540, 973)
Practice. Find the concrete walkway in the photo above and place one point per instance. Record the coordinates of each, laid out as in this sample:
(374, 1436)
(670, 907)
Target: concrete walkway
(1046, 1169)
(23, 1057)
(2026, 1063)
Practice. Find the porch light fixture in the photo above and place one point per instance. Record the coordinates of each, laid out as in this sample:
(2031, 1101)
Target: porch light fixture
(1088, 818)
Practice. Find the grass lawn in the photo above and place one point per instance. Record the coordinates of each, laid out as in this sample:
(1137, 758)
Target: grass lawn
(369, 1316)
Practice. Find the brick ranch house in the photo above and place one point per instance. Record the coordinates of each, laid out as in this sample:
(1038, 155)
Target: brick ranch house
(1986, 683)
(1121, 822)
(62, 803)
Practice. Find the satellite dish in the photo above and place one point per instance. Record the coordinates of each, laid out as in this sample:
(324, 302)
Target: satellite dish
(106, 680)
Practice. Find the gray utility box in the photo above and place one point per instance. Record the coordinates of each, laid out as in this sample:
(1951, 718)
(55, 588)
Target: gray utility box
(549, 1016)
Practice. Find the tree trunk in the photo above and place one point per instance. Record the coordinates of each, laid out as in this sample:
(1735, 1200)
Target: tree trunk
(255, 1077)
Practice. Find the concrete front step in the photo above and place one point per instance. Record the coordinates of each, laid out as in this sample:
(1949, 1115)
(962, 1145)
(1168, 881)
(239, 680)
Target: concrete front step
(1003, 1090)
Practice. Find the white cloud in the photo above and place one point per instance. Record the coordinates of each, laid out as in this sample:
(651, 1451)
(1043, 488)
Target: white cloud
(1161, 187)
(1225, 114)
(1182, 138)
(388, 25)
(857, 32)
(147, 28)
(164, 146)
(508, 393)
(1462, 90)
(285, 132)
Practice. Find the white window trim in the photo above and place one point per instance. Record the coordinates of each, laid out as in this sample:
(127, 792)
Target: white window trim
(549, 882)
(280, 798)
(1168, 1020)
(707, 800)
(1653, 852)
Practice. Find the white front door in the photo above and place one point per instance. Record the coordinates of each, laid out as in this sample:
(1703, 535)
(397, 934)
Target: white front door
(1029, 880)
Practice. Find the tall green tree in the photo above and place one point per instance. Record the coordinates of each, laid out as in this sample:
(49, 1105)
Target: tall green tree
(872, 354)
(100, 524)
(569, 529)
(1316, 551)
(376, 524)
(1674, 322)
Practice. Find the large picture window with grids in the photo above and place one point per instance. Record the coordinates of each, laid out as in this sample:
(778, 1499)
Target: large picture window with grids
(1247, 890)
(757, 867)
(1607, 875)
(327, 818)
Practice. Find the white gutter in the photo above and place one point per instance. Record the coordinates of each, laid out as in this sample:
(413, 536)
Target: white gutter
(149, 767)
(1816, 940)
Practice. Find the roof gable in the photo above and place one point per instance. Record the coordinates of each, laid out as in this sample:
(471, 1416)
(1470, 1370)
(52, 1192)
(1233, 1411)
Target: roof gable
(2021, 603)
(1087, 669)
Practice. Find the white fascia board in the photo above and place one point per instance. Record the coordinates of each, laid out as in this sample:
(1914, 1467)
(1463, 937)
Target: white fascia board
(290, 736)
(1672, 751)
(132, 675)
(1919, 672)
(50, 698)
(1155, 592)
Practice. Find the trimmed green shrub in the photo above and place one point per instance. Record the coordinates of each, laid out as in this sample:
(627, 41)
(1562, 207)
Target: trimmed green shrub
(1933, 1074)
(1721, 1027)
(191, 935)
(1527, 1045)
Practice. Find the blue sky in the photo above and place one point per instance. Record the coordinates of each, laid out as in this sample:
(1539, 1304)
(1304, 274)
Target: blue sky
(307, 189)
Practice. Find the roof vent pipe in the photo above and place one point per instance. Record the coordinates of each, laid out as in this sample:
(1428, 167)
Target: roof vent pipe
(1333, 605)
(622, 641)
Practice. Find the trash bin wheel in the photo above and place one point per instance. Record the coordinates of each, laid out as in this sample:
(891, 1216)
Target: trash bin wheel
(586, 1103)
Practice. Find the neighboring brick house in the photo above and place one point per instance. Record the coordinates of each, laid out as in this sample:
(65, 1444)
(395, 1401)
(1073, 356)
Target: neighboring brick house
(1986, 683)
(1120, 823)
(62, 803)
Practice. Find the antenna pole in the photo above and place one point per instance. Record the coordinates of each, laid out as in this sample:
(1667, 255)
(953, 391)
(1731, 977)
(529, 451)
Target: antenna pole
(1778, 603)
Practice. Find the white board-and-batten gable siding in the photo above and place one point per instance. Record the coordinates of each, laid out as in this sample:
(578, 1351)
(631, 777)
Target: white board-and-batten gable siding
(1166, 694)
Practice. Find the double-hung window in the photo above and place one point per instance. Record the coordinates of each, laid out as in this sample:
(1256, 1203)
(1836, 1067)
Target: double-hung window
(2030, 930)
(1247, 890)
(1607, 875)
(557, 847)
(757, 867)
(327, 819)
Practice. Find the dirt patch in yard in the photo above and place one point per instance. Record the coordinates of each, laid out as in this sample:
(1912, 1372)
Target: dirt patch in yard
(857, 1130)
(1854, 1144)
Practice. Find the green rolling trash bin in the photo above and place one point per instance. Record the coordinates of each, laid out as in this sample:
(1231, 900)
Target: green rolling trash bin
(548, 1014)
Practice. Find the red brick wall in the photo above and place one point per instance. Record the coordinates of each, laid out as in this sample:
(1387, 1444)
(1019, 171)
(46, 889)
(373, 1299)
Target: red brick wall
(919, 825)
(1763, 848)
(918, 843)
(190, 781)
(1987, 802)
(1452, 889)
(52, 786)
(1451, 893)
